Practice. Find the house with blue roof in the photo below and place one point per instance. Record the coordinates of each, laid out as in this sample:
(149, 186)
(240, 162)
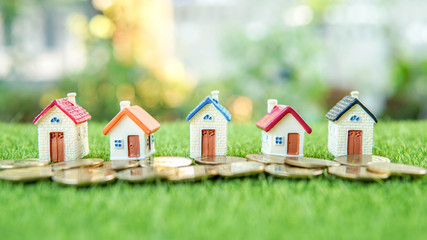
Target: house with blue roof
(208, 127)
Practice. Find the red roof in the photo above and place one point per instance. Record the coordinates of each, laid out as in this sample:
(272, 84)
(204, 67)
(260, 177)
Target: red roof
(144, 120)
(271, 119)
(72, 110)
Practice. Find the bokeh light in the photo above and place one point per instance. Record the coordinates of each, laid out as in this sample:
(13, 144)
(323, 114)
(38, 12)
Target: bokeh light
(101, 27)
(102, 4)
(241, 108)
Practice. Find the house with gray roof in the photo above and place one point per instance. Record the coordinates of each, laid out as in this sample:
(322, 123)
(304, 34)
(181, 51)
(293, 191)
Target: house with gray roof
(351, 127)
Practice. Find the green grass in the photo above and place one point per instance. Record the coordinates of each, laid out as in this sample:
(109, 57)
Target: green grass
(260, 207)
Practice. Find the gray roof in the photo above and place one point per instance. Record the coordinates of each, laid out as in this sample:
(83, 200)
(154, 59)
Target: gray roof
(343, 106)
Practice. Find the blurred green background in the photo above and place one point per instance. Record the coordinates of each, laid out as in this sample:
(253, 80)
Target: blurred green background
(167, 55)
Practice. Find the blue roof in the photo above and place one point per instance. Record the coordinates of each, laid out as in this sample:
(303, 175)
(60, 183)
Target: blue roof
(214, 102)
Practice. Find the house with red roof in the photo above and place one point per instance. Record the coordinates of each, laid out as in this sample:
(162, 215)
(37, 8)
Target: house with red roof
(131, 133)
(63, 130)
(282, 131)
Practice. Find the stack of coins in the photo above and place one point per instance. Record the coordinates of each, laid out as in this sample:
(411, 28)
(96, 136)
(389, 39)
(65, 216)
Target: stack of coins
(285, 171)
(146, 174)
(193, 173)
(396, 169)
(266, 159)
(22, 163)
(240, 169)
(90, 171)
(81, 163)
(29, 174)
(84, 176)
(168, 161)
(291, 167)
(372, 168)
(217, 160)
(354, 167)
(25, 170)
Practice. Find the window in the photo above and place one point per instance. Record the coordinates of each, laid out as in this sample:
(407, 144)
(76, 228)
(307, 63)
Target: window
(207, 117)
(354, 118)
(152, 138)
(55, 120)
(279, 140)
(118, 143)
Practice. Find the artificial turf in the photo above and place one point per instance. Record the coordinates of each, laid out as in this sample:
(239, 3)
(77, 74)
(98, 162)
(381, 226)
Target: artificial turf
(259, 207)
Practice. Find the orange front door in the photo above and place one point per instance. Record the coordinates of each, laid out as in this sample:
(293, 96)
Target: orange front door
(57, 147)
(355, 142)
(133, 146)
(293, 144)
(208, 142)
(149, 142)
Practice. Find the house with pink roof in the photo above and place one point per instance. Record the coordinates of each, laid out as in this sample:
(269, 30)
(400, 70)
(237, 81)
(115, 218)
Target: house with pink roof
(282, 131)
(63, 130)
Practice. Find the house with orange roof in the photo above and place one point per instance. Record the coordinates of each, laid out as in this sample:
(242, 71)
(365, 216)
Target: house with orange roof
(63, 130)
(283, 131)
(131, 133)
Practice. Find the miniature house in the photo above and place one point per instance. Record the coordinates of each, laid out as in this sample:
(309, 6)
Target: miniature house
(351, 127)
(131, 133)
(62, 129)
(208, 128)
(282, 131)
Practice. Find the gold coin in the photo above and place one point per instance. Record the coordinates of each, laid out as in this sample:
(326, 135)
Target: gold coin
(356, 173)
(215, 160)
(22, 163)
(193, 173)
(306, 162)
(145, 174)
(166, 162)
(285, 171)
(266, 158)
(240, 169)
(84, 176)
(26, 174)
(360, 160)
(396, 169)
(120, 164)
(85, 162)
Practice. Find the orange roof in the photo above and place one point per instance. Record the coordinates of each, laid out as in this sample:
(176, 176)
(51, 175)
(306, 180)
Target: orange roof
(144, 120)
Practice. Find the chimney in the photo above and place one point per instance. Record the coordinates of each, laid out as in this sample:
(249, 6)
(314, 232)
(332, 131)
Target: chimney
(270, 104)
(72, 97)
(355, 94)
(215, 95)
(124, 104)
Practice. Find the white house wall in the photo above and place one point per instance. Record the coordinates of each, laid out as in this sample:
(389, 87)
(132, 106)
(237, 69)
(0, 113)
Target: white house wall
(120, 131)
(338, 131)
(288, 124)
(75, 146)
(197, 124)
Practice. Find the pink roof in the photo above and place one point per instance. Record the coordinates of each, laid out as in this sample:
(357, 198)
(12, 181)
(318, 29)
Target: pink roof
(72, 110)
(279, 111)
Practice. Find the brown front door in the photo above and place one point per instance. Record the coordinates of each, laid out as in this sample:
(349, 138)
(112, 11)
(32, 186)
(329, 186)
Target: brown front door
(149, 142)
(57, 147)
(133, 146)
(293, 144)
(208, 142)
(354, 142)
